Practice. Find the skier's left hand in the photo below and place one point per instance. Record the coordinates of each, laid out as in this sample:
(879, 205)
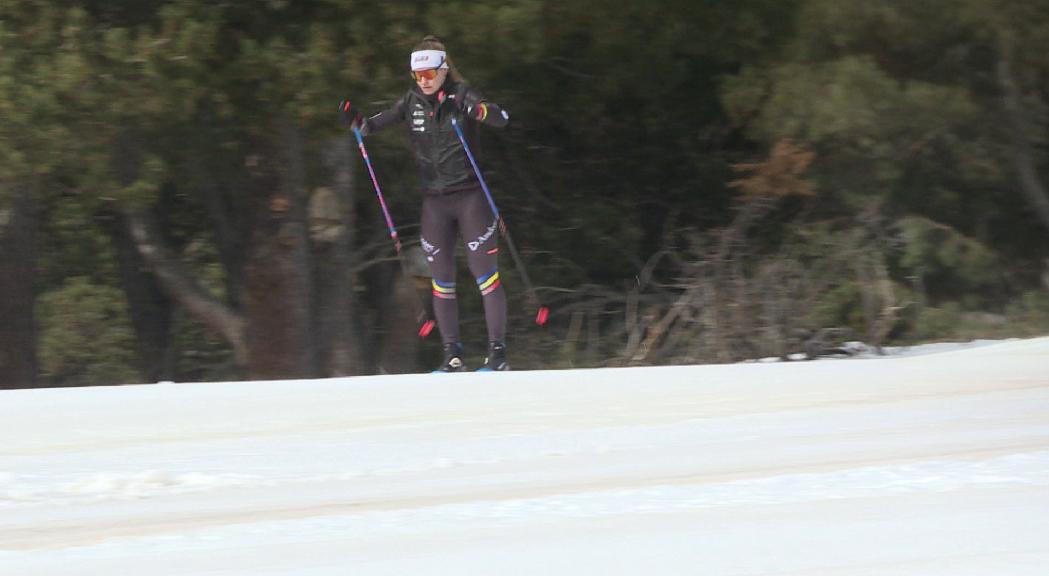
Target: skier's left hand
(349, 116)
(478, 111)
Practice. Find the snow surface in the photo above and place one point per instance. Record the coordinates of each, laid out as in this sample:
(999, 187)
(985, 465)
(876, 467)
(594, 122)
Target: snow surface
(933, 462)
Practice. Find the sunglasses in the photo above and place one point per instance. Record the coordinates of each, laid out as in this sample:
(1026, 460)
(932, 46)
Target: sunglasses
(420, 75)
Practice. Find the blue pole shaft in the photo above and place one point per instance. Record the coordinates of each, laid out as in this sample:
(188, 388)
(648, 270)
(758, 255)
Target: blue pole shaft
(477, 171)
(543, 310)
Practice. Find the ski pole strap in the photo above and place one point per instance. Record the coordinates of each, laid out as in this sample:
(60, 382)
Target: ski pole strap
(378, 191)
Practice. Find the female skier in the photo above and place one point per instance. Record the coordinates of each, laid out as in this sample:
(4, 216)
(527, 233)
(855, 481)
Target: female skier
(453, 202)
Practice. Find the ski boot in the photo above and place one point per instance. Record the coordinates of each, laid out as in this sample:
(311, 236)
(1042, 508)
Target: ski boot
(496, 360)
(453, 359)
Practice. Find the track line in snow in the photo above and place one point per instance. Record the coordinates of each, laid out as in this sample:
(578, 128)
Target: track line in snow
(60, 534)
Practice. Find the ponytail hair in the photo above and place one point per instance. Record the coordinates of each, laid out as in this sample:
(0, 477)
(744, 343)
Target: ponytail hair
(431, 42)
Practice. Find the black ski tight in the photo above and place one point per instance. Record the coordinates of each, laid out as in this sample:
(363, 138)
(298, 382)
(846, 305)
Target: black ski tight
(467, 214)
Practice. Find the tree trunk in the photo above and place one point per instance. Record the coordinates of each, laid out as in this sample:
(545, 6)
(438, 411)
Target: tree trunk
(400, 344)
(274, 300)
(332, 222)
(150, 310)
(1019, 123)
(18, 223)
(278, 292)
(228, 227)
(180, 286)
(149, 307)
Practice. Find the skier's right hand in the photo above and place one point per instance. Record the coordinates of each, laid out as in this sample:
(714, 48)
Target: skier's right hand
(349, 117)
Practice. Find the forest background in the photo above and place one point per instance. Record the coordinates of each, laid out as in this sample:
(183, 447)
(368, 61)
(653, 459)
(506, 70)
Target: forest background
(686, 181)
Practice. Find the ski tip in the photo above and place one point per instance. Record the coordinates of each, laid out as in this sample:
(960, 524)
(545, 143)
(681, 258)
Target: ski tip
(541, 317)
(426, 328)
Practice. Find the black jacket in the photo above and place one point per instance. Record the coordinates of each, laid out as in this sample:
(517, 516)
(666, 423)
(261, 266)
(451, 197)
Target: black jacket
(443, 164)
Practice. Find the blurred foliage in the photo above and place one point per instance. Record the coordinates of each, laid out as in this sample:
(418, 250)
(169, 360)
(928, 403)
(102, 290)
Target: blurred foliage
(636, 137)
(947, 263)
(86, 337)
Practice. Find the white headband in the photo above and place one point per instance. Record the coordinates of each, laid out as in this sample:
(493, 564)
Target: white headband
(427, 59)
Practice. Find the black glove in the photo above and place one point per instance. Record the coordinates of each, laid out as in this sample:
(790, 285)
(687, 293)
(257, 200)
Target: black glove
(473, 105)
(349, 117)
(469, 103)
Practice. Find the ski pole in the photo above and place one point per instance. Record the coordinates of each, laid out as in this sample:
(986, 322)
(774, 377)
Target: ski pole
(378, 191)
(427, 323)
(543, 312)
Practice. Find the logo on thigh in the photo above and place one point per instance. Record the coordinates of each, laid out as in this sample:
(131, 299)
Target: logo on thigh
(474, 245)
(429, 248)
